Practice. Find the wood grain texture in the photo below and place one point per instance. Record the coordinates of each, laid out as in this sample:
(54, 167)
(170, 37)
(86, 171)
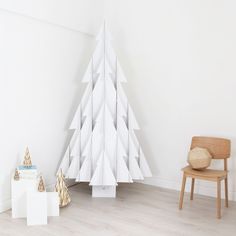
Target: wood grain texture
(138, 210)
(205, 174)
(218, 201)
(181, 199)
(219, 148)
(192, 189)
(226, 193)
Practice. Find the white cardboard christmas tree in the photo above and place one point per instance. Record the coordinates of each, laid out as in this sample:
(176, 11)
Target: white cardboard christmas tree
(104, 149)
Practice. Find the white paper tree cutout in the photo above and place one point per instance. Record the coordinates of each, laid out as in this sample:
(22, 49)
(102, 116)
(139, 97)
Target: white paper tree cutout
(104, 149)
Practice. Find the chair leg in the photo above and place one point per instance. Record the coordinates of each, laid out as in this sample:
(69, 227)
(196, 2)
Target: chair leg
(226, 193)
(182, 192)
(192, 189)
(218, 201)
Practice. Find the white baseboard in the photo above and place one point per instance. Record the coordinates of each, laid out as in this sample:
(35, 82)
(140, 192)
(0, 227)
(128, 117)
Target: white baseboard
(5, 205)
(203, 188)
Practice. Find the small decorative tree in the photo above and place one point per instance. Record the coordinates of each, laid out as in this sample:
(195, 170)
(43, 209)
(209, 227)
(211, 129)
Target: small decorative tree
(27, 159)
(41, 187)
(63, 193)
(17, 175)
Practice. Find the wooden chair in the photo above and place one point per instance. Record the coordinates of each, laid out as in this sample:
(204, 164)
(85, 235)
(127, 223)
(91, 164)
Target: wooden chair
(219, 149)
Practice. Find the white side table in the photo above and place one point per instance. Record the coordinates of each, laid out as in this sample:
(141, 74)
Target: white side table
(28, 203)
(36, 208)
(19, 191)
(52, 204)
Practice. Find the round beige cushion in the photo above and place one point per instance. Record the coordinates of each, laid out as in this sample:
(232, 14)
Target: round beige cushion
(199, 158)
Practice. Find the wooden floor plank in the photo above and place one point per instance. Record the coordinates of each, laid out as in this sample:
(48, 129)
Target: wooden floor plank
(138, 210)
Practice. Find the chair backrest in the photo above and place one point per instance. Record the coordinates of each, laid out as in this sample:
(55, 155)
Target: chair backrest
(219, 148)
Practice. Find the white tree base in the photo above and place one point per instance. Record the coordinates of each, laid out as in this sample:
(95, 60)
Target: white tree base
(104, 191)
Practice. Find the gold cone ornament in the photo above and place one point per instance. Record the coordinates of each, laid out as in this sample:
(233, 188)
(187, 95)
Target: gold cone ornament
(17, 175)
(63, 193)
(27, 159)
(41, 187)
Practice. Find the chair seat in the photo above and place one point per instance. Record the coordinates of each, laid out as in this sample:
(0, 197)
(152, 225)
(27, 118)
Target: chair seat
(206, 174)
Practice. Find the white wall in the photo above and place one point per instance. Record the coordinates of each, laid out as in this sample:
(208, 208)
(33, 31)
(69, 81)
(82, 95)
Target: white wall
(41, 64)
(179, 58)
(79, 15)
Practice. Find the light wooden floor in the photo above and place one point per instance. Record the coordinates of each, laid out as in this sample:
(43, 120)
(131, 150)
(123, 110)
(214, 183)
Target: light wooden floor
(137, 210)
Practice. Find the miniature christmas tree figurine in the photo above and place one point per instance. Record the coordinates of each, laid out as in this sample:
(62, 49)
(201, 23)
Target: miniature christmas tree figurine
(27, 159)
(64, 197)
(17, 175)
(41, 187)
